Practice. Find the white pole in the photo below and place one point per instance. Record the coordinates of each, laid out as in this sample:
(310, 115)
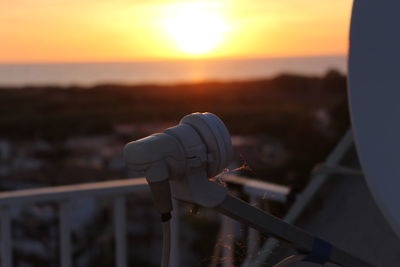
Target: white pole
(227, 238)
(175, 252)
(65, 234)
(252, 238)
(120, 231)
(6, 238)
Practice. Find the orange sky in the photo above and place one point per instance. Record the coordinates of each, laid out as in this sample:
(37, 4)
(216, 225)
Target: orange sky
(123, 30)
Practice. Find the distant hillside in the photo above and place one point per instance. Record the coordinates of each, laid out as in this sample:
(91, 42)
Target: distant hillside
(274, 105)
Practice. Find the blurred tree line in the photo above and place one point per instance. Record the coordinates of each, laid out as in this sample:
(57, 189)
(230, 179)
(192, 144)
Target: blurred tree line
(273, 105)
(283, 107)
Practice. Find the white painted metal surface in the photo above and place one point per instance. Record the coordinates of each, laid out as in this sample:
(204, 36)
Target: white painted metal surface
(175, 248)
(65, 234)
(253, 236)
(287, 233)
(227, 241)
(120, 231)
(117, 189)
(5, 238)
(256, 190)
(71, 191)
(307, 195)
(62, 195)
(259, 188)
(374, 96)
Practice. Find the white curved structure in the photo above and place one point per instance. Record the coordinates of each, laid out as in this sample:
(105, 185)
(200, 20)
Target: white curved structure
(374, 79)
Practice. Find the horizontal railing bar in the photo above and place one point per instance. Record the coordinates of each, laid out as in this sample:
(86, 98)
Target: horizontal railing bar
(123, 186)
(255, 187)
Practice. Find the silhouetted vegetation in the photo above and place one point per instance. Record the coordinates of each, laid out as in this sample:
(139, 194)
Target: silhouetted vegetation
(278, 106)
(285, 107)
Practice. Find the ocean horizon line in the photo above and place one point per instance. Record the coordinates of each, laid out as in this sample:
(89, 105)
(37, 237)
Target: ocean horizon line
(60, 62)
(164, 71)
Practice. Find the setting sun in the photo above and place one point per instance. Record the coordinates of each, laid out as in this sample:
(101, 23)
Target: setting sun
(120, 30)
(195, 28)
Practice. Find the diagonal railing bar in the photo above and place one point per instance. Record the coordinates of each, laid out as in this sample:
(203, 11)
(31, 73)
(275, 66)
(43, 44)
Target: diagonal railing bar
(303, 200)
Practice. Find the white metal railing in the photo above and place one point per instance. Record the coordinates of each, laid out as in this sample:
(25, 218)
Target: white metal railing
(304, 199)
(63, 195)
(256, 190)
(117, 189)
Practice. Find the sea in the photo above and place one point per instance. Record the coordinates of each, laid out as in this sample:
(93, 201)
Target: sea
(164, 72)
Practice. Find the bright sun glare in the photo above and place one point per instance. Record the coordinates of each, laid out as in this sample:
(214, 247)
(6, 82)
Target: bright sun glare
(195, 28)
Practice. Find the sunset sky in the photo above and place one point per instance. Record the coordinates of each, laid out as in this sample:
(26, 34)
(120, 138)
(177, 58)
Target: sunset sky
(125, 30)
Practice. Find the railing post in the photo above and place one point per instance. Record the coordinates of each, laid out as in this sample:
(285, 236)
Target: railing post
(227, 234)
(119, 211)
(252, 238)
(65, 234)
(6, 238)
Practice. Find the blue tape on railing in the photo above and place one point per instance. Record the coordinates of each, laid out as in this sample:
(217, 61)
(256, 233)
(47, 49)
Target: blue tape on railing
(321, 252)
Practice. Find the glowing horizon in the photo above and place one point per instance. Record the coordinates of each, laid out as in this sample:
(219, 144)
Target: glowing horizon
(121, 30)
